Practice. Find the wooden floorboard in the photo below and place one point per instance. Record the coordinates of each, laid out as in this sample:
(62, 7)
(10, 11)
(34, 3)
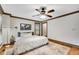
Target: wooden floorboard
(74, 51)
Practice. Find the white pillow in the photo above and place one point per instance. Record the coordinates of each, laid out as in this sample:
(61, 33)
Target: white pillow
(26, 34)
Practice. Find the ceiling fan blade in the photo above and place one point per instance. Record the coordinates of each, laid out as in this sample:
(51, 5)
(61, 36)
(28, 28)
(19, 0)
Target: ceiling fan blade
(51, 11)
(49, 15)
(37, 10)
(35, 15)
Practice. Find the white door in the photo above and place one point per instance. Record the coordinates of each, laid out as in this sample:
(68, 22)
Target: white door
(44, 29)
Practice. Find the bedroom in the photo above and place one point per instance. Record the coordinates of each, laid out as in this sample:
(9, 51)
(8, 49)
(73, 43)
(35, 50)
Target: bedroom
(33, 28)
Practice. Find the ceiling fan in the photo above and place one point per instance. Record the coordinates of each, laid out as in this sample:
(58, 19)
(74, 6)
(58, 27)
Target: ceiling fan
(43, 12)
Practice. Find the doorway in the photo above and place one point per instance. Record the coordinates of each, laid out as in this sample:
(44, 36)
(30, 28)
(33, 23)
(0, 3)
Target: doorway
(37, 29)
(41, 29)
(44, 29)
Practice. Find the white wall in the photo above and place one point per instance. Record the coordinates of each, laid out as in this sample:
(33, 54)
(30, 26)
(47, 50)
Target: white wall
(15, 22)
(0, 29)
(65, 29)
(0, 21)
(6, 28)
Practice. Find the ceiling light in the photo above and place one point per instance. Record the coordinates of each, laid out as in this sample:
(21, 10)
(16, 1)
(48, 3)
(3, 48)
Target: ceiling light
(43, 17)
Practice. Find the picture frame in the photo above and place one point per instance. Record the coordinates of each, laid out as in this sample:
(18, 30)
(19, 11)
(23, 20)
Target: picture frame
(24, 26)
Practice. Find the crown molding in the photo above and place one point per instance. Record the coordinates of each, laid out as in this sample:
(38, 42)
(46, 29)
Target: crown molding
(62, 15)
(2, 12)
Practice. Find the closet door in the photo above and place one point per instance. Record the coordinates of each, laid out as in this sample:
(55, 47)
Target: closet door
(37, 29)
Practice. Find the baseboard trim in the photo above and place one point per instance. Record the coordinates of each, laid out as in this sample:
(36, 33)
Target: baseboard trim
(63, 43)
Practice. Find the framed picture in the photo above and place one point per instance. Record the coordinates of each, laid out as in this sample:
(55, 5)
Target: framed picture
(24, 26)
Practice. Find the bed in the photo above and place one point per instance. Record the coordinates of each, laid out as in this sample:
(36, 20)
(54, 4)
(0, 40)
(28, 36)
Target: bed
(25, 44)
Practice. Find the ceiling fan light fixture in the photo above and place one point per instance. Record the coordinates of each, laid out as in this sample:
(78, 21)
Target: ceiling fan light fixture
(43, 17)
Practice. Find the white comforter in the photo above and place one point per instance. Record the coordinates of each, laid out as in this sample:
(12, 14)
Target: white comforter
(27, 43)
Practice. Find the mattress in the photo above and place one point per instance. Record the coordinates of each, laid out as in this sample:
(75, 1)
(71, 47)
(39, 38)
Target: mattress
(27, 43)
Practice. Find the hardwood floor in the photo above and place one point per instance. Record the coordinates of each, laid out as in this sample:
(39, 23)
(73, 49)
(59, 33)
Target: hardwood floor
(2, 49)
(74, 51)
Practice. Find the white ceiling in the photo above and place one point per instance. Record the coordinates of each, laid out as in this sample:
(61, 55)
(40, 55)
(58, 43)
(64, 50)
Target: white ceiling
(28, 10)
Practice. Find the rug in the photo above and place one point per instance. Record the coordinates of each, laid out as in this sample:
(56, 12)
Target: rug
(50, 49)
